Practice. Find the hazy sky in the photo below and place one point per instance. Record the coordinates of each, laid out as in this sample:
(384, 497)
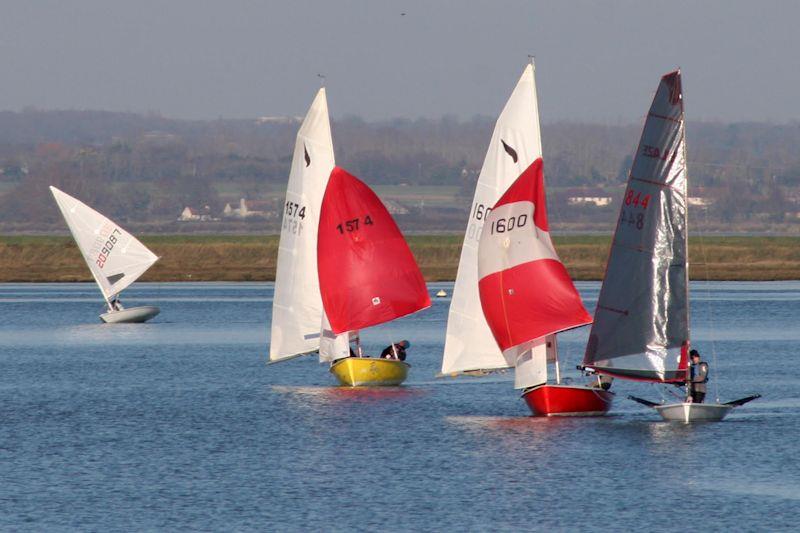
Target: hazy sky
(596, 61)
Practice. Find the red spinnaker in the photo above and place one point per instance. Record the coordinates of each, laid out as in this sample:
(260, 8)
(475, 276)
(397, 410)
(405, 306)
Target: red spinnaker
(367, 273)
(525, 290)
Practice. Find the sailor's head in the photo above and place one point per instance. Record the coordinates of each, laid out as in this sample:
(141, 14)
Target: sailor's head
(404, 343)
(695, 355)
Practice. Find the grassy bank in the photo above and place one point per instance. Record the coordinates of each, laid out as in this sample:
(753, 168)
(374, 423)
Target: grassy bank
(252, 258)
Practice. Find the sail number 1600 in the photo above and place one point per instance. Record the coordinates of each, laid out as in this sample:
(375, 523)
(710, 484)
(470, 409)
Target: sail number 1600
(502, 225)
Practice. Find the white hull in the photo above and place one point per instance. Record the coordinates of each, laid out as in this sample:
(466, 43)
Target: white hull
(693, 412)
(130, 315)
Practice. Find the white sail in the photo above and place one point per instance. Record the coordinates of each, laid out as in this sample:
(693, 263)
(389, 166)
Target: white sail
(114, 256)
(331, 345)
(641, 324)
(515, 145)
(297, 304)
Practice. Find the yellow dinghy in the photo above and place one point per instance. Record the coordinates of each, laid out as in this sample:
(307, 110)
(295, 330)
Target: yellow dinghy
(369, 372)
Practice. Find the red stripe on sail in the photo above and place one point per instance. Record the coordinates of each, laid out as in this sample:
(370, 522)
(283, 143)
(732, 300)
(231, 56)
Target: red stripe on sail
(367, 273)
(529, 301)
(529, 187)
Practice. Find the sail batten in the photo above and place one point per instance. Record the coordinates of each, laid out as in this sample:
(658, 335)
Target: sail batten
(641, 323)
(114, 257)
(297, 305)
(514, 146)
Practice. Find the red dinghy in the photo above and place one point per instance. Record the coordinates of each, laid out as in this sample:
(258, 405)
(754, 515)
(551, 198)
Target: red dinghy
(568, 400)
(528, 297)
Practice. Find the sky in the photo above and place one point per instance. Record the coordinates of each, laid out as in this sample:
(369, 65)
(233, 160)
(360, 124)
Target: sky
(595, 61)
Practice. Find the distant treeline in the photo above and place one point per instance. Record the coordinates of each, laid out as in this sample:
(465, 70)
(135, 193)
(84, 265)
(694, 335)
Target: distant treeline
(144, 169)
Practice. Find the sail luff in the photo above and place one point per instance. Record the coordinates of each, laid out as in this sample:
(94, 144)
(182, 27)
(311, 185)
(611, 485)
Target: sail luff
(297, 304)
(514, 146)
(640, 329)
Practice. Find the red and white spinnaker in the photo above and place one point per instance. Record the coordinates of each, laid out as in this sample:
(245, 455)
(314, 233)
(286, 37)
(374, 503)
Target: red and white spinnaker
(526, 292)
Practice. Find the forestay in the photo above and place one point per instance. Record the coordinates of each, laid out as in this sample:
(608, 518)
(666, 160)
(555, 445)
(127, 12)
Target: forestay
(641, 325)
(114, 256)
(367, 273)
(297, 306)
(515, 145)
(526, 292)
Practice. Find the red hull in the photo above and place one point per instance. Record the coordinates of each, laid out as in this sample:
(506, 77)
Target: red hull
(568, 400)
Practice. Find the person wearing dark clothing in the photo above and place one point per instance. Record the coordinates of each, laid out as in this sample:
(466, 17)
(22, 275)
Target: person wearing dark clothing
(698, 377)
(396, 351)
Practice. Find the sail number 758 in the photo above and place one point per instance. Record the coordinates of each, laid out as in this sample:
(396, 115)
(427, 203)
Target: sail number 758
(349, 226)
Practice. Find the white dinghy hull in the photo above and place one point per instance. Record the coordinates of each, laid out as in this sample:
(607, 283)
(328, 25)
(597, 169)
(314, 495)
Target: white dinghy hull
(693, 412)
(130, 315)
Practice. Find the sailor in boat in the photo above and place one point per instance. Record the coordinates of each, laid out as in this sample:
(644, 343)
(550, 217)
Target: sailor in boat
(698, 377)
(115, 304)
(602, 382)
(396, 351)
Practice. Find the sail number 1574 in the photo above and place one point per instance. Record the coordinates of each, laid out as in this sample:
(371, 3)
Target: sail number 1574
(349, 226)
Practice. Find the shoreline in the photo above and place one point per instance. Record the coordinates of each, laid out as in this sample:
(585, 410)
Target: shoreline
(39, 258)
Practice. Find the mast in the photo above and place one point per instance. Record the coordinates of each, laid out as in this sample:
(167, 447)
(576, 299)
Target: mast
(686, 233)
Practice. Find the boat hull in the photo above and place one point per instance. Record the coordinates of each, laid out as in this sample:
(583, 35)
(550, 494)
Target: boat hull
(369, 372)
(568, 400)
(130, 315)
(693, 412)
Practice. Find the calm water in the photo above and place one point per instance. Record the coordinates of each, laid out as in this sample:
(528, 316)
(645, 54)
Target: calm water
(178, 424)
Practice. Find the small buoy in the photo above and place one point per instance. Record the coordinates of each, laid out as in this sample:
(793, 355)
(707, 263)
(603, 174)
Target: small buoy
(441, 293)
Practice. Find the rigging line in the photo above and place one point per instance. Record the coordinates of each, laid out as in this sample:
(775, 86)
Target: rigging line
(709, 309)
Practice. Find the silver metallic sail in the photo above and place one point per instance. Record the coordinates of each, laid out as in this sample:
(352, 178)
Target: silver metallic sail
(641, 324)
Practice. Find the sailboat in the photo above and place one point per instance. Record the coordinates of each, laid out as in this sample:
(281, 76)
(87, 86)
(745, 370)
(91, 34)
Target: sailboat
(367, 276)
(528, 298)
(300, 324)
(641, 324)
(470, 345)
(114, 257)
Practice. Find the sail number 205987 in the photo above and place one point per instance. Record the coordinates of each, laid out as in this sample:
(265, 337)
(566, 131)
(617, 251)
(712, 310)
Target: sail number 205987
(107, 247)
(349, 226)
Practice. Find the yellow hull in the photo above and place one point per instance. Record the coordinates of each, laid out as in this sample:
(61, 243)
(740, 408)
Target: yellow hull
(369, 372)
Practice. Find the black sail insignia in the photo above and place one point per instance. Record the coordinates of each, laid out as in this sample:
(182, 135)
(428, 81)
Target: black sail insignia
(115, 278)
(307, 157)
(510, 151)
